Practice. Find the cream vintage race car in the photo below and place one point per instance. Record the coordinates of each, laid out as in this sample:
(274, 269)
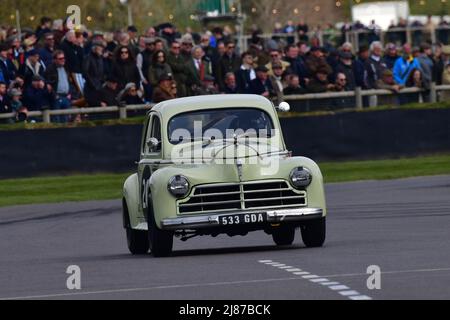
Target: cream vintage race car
(213, 165)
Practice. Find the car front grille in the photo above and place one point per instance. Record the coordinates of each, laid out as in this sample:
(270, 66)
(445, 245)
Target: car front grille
(242, 196)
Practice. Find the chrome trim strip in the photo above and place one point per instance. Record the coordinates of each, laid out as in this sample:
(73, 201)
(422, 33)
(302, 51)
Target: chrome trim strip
(202, 204)
(273, 216)
(213, 194)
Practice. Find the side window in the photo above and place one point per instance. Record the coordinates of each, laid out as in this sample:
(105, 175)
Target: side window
(156, 133)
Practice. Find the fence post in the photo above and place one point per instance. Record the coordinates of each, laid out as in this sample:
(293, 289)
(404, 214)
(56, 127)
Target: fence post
(122, 112)
(46, 115)
(358, 98)
(433, 92)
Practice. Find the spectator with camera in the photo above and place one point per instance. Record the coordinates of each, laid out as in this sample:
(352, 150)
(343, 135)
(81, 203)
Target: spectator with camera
(37, 96)
(166, 89)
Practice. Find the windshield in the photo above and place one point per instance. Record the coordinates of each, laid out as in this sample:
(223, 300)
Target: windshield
(219, 124)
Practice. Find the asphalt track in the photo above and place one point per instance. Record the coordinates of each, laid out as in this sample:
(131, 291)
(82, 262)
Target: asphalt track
(402, 226)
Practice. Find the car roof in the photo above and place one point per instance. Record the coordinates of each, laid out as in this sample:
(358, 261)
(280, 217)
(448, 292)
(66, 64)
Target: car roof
(169, 108)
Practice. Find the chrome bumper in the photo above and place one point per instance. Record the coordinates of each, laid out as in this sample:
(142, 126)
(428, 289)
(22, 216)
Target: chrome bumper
(212, 220)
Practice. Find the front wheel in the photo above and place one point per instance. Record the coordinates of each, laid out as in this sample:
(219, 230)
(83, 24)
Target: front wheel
(283, 236)
(160, 241)
(313, 232)
(137, 241)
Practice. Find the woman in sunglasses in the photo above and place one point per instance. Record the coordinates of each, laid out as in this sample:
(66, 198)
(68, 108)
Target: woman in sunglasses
(158, 67)
(124, 67)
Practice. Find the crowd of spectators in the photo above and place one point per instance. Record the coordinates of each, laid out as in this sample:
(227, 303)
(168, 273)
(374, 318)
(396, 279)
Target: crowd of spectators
(56, 68)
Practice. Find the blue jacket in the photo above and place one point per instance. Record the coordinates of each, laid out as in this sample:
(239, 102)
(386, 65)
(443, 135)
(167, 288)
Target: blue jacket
(403, 68)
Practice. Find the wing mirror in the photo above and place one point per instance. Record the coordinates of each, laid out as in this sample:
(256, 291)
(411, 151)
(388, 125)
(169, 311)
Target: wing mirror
(283, 107)
(152, 144)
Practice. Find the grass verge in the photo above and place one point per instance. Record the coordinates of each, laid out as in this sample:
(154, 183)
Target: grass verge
(109, 186)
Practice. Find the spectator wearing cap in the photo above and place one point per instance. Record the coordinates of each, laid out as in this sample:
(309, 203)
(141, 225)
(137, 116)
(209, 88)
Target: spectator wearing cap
(168, 32)
(33, 67)
(133, 34)
(359, 67)
(375, 65)
(124, 67)
(143, 62)
(158, 67)
(7, 69)
(230, 84)
(276, 81)
(46, 52)
(166, 89)
(320, 81)
(390, 55)
(346, 67)
(275, 57)
(262, 85)
(404, 65)
(442, 63)
(130, 95)
(37, 96)
(317, 60)
(296, 64)
(387, 82)
(246, 73)
(94, 73)
(144, 59)
(179, 68)
(186, 47)
(16, 99)
(230, 62)
(59, 81)
(107, 96)
(293, 86)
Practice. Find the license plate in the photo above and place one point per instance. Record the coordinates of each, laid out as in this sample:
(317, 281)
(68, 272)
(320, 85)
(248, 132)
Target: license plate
(242, 218)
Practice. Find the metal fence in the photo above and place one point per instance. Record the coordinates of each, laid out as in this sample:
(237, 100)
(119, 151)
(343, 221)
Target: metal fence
(355, 99)
(412, 35)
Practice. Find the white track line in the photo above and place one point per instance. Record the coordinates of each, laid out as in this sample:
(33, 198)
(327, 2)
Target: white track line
(343, 290)
(142, 289)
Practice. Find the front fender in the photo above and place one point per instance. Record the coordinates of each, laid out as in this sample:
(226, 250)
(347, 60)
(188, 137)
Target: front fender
(131, 197)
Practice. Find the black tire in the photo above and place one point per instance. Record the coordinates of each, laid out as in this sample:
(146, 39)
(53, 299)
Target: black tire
(160, 241)
(283, 236)
(314, 232)
(137, 240)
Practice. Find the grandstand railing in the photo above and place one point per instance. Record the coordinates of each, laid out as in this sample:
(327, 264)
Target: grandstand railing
(355, 36)
(122, 112)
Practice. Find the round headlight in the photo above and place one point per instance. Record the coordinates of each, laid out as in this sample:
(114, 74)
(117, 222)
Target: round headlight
(300, 177)
(178, 186)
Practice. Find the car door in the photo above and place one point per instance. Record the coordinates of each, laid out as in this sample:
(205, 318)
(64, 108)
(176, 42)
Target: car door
(151, 155)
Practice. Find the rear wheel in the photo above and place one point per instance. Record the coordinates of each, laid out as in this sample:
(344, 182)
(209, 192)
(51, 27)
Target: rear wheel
(313, 232)
(283, 236)
(160, 241)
